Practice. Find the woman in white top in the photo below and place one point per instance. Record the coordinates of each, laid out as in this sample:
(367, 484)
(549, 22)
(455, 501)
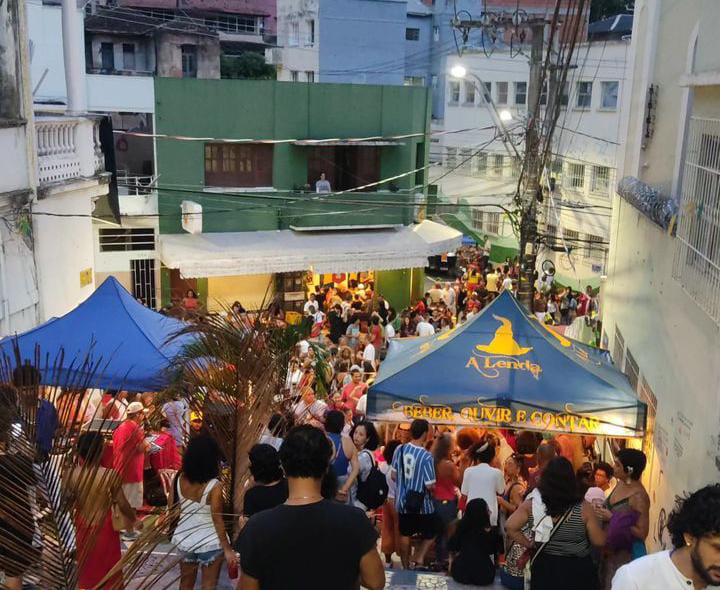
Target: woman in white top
(200, 532)
(366, 440)
(483, 481)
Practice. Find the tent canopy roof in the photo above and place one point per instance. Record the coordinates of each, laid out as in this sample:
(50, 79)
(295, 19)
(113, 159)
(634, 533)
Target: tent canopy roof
(503, 368)
(109, 341)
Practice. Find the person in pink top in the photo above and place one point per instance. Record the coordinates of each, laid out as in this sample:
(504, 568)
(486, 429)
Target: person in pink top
(445, 493)
(129, 447)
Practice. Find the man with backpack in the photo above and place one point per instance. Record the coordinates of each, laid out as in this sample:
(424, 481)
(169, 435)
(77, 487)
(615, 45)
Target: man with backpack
(413, 470)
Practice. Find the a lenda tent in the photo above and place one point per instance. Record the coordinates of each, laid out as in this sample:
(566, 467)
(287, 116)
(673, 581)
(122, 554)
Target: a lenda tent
(109, 341)
(503, 369)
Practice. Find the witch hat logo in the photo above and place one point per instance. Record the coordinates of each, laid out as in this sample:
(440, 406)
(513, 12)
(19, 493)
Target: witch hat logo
(504, 343)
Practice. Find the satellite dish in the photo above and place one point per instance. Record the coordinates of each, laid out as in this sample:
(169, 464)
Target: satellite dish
(548, 267)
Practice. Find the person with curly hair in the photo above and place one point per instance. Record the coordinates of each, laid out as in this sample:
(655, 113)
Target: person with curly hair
(694, 562)
(309, 541)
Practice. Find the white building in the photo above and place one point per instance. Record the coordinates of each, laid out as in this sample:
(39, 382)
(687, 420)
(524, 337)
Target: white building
(297, 56)
(662, 296)
(51, 173)
(585, 149)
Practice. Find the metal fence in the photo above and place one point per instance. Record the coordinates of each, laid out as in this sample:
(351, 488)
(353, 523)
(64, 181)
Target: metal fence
(697, 255)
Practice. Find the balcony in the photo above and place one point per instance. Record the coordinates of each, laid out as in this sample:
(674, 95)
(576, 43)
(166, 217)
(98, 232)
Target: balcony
(137, 195)
(67, 148)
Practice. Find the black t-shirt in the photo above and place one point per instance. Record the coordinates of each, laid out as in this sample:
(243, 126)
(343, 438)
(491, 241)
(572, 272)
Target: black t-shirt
(259, 498)
(313, 547)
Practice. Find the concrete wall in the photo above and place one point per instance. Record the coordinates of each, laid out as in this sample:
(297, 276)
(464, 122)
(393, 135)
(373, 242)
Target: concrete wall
(400, 287)
(253, 291)
(108, 93)
(418, 54)
(299, 55)
(676, 345)
(359, 37)
(275, 110)
(169, 55)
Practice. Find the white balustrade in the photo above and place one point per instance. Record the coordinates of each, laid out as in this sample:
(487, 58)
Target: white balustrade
(67, 147)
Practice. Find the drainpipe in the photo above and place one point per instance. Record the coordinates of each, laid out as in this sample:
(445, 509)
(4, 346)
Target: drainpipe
(73, 53)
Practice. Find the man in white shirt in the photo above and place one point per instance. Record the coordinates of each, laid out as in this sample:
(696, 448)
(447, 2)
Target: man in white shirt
(436, 294)
(507, 284)
(318, 316)
(694, 564)
(448, 297)
(310, 410)
(483, 481)
(369, 354)
(424, 328)
(312, 302)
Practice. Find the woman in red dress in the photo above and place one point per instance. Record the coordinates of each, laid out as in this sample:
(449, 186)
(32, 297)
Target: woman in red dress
(95, 489)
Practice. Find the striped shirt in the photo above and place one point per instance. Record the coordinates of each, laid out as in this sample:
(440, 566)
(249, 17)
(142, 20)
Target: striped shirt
(570, 539)
(415, 470)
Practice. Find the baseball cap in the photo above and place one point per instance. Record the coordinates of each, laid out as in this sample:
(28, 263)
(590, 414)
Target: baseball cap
(135, 407)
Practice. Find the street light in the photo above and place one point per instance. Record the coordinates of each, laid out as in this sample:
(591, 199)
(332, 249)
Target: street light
(458, 71)
(505, 116)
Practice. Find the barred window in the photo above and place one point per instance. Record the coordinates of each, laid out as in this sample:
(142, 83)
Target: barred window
(576, 175)
(600, 180)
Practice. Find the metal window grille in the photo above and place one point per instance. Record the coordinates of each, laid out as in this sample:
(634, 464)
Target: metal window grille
(502, 92)
(557, 170)
(594, 247)
(600, 180)
(466, 158)
(455, 92)
(618, 353)
(584, 95)
(697, 253)
(481, 164)
(516, 166)
(576, 175)
(551, 231)
(451, 157)
(478, 218)
(126, 239)
(189, 61)
(412, 34)
(520, 93)
(234, 23)
(469, 92)
(632, 370)
(498, 163)
(571, 238)
(143, 281)
(492, 226)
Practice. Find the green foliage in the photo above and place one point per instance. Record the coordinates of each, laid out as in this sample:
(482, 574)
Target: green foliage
(600, 9)
(246, 66)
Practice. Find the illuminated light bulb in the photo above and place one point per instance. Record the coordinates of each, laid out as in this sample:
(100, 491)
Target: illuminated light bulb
(458, 71)
(505, 116)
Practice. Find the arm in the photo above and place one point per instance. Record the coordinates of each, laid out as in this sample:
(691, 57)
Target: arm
(216, 506)
(372, 572)
(351, 453)
(247, 582)
(595, 532)
(641, 503)
(516, 522)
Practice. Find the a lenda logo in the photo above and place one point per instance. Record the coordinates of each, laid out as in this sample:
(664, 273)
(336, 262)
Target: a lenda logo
(502, 353)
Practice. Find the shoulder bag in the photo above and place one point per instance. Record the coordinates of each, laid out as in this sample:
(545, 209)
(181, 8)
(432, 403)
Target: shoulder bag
(413, 499)
(527, 572)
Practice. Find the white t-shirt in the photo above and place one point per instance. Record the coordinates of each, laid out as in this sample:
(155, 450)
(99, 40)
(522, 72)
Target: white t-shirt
(313, 414)
(389, 332)
(304, 346)
(656, 571)
(483, 481)
(425, 329)
(369, 353)
(319, 317)
(507, 284)
(361, 406)
(309, 304)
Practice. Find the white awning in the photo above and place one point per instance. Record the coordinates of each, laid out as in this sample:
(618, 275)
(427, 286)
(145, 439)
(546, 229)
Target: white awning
(260, 252)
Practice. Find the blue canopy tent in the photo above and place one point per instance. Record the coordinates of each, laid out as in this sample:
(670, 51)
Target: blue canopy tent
(504, 369)
(109, 341)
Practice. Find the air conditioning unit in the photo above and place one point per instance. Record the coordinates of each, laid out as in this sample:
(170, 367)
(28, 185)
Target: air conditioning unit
(274, 56)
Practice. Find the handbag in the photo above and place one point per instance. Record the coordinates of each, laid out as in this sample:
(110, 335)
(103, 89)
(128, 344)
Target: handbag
(527, 571)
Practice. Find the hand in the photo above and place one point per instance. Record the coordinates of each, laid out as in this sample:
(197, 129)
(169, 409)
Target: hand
(602, 513)
(342, 495)
(230, 556)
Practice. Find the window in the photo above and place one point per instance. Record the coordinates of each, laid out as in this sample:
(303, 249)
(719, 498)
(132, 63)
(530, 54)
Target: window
(128, 56)
(469, 92)
(487, 91)
(451, 157)
(609, 95)
(189, 61)
(618, 353)
(697, 255)
(520, 93)
(434, 81)
(436, 34)
(600, 180)
(584, 95)
(632, 370)
(454, 92)
(516, 166)
(498, 163)
(501, 90)
(311, 33)
(551, 232)
(565, 94)
(414, 81)
(594, 247)
(234, 23)
(492, 223)
(142, 274)
(571, 238)
(466, 157)
(107, 56)
(544, 94)
(231, 165)
(478, 218)
(412, 34)
(294, 35)
(294, 76)
(126, 239)
(480, 164)
(556, 170)
(310, 76)
(576, 176)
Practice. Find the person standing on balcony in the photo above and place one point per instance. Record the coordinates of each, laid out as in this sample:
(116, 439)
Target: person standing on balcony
(323, 185)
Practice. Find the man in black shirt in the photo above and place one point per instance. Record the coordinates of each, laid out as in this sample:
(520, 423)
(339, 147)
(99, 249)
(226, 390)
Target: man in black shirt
(308, 542)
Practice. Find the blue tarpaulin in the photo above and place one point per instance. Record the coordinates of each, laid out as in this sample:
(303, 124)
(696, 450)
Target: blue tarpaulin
(109, 341)
(504, 369)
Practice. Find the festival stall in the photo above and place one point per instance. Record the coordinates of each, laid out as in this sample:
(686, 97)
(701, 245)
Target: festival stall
(109, 341)
(503, 369)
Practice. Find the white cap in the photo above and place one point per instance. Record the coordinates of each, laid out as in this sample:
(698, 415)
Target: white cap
(135, 407)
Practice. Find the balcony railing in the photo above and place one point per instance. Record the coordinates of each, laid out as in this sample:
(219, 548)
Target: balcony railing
(67, 147)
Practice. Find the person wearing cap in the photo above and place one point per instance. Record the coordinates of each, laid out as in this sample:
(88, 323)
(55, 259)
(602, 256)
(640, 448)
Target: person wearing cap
(129, 447)
(197, 427)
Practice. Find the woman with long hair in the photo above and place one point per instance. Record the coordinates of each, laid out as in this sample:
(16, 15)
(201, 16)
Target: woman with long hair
(473, 543)
(366, 440)
(565, 527)
(94, 489)
(200, 532)
(445, 493)
(515, 486)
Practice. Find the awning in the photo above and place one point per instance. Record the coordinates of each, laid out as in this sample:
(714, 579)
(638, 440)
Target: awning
(261, 252)
(346, 142)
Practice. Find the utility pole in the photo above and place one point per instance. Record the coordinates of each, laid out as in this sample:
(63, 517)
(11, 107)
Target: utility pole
(528, 221)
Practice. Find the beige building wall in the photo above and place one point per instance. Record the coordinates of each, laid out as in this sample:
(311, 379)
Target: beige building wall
(252, 291)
